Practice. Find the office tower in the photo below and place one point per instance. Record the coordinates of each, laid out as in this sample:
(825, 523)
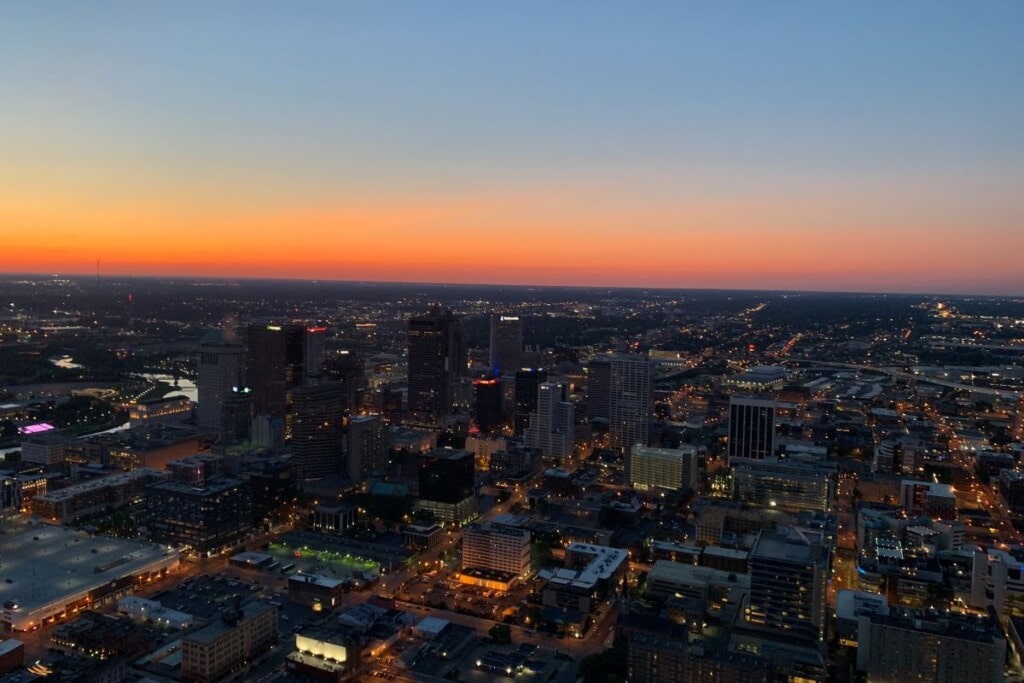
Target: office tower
(220, 368)
(673, 469)
(788, 583)
(944, 647)
(199, 508)
(278, 359)
(552, 426)
(367, 447)
(487, 405)
(317, 431)
(506, 343)
(446, 475)
(437, 358)
(314, 347)
(267, 431)
(346, 367)
(446, 482)
(236, 414)
(494, 555)
(751, 428)
(527, 386)
(795, 484)
(599, 387)
(630, 401)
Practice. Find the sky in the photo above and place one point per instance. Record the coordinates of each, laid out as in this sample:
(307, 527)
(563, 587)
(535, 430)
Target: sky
(866, 146)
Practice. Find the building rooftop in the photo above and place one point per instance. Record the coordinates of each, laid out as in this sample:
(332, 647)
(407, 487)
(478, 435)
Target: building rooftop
(217, 629)
(44, 565)
(791, 544)
(606, 561)
(681, 572)
(315, 580)
(97, 484)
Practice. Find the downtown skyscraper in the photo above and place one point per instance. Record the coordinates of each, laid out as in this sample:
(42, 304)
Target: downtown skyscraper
(751, 428)
(630, 400)
(280, 358)
(437, 359)
(506, 343)
(220, 372)
(552, 425)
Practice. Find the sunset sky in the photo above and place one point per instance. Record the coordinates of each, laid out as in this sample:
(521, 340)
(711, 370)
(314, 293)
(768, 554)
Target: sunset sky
(867, 146)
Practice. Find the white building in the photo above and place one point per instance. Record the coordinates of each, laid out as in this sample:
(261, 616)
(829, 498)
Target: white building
(552, 427)
(674, 469)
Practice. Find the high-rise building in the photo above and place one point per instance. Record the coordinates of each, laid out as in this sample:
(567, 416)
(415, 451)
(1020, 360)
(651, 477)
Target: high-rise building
(236, 414)
(495, 555)
(552, 426)
(446, 475)
(674, 469)
(317, 431)
(630, 401)
(367, 447)
(446, 485)
(788, 583)
(527, 386)
(220, 369)
(346, 367)
(437, 359)
(506, 343)
(487, 405)
(751, 428)
(599, 387)
(278, 359)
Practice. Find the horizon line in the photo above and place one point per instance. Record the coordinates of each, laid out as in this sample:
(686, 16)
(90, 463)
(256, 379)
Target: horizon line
(660, 288)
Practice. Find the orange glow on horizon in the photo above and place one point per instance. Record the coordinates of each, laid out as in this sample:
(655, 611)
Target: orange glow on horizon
(543, 238)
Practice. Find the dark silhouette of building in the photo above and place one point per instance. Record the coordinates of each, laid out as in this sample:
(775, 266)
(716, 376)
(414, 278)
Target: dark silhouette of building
(278, 359)
(236, 414)
(527, 388)
(220, 369)
(317, 431)
(599, 387)
(487, 405)
(346, 367)
(446, 475)
(751, 428)
(437, 358)
(506, 343)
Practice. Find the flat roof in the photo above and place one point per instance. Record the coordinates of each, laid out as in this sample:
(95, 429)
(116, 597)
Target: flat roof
(689, 574)
(46, 566)
(215, 629)
(315, 580)
(101, 483)
(605, 562)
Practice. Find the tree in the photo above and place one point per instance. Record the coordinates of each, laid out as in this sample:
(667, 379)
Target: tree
(501, 633)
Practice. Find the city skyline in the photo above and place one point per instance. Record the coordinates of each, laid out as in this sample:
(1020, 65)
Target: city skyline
(784, 147)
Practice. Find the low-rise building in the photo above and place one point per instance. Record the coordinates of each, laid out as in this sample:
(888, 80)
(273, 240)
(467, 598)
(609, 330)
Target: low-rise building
(228, 644)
